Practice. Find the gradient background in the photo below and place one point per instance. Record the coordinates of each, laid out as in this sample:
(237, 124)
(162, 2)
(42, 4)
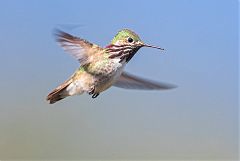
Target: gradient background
(197, 120)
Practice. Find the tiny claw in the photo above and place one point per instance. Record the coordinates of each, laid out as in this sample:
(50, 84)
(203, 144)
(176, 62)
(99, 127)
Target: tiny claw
(95, 95)
(91, 91)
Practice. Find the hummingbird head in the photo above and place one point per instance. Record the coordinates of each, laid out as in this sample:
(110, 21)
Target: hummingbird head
(125, 44)
(128, 37)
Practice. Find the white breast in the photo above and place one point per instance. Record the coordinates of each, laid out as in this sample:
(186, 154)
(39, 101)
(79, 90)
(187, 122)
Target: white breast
(119, 68)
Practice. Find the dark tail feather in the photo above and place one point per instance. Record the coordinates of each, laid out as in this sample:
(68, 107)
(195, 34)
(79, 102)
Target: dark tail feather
(59, 93)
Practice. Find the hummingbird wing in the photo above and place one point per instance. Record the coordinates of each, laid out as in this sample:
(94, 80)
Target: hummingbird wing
(79, 48)
(129, 81)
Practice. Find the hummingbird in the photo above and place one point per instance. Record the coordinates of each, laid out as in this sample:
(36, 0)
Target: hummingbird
(102, 67)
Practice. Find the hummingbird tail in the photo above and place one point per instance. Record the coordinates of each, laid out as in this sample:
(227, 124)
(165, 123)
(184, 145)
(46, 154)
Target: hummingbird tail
(59, 93)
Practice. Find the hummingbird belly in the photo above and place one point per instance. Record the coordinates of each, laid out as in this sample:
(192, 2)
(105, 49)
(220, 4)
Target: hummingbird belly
(98, 76)
(108, 75)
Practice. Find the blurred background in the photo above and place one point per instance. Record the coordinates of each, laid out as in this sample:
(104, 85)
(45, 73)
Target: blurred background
(197, 120)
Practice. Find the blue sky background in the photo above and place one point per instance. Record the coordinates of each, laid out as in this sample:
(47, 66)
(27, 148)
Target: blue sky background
(197, 120)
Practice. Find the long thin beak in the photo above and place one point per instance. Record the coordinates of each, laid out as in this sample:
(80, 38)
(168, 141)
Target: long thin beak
(151, 46)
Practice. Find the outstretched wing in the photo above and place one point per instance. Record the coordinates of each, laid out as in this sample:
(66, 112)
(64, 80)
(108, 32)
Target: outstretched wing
(77, 47)
(129, 81)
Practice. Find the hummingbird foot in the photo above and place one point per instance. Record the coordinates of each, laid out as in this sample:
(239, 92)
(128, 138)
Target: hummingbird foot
(95, 95)
(92, 90)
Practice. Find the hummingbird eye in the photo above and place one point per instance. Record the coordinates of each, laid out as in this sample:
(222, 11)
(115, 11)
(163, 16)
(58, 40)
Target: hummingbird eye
(130, 40)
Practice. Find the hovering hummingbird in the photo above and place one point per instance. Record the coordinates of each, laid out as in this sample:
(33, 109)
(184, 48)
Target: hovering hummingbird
(101, 68)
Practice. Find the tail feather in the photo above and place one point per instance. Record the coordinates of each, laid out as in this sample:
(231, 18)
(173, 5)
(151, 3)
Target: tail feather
(59, 93)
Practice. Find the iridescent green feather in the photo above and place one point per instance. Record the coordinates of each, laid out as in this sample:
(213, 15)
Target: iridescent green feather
(124, 34)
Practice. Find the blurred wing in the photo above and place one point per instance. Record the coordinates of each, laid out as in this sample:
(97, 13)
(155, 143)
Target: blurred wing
(77, 47)
(129, 81)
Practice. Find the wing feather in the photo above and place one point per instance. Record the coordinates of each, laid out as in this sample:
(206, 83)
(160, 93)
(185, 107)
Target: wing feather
(129, 81)
(79, 48)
